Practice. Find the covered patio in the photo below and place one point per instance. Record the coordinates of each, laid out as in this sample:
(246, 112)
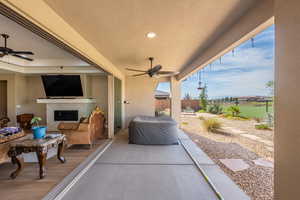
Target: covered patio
(114, 169)
(186, 36)
(128, 171)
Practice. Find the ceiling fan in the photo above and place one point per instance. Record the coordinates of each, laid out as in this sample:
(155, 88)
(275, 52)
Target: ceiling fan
(153, 71)
(4, 51)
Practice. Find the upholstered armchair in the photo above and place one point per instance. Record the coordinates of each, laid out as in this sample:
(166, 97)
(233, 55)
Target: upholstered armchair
(86, 131)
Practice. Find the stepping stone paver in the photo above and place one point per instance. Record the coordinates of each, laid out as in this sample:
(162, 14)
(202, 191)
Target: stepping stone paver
(252, 137)
(235, 164)
(263, 162)
(233, 130)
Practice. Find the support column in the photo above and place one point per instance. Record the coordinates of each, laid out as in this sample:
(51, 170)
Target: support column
(123, 104)
(111, 106)
(287, 99)
(175, 99)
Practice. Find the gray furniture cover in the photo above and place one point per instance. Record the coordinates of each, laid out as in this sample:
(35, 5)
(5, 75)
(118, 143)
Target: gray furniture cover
(148, 130)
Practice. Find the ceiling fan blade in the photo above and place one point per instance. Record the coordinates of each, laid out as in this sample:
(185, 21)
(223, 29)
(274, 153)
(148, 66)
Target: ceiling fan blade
(155, 69)
(22, 52)
(140, 74)
(22, 57)
(135, 70)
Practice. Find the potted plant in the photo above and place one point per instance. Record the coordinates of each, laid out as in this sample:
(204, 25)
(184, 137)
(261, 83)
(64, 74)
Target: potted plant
(39, 132)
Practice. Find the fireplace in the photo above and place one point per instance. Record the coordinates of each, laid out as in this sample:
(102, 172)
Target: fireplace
(66, 115)
(64, 107)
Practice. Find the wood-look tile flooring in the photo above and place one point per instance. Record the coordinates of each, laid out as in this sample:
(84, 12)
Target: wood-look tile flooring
(28, 186)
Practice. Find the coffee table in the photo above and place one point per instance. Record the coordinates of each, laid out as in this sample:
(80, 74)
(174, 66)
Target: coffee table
(40, 146)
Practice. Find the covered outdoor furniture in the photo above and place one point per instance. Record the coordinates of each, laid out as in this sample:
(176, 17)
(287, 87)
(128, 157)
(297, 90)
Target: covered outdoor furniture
(86, 131)
(148, 130)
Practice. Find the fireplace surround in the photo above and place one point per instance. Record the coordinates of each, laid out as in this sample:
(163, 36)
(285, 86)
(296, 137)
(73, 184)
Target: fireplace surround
(66, 110)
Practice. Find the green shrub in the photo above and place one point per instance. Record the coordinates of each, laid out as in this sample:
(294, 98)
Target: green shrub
(262, 127)
(234, 111)
(201, 111)
(229, 116)
(211, 124)
(215, 109)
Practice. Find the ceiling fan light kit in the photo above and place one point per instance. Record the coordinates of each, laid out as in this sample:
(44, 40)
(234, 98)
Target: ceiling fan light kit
(5, 51)
(153, 71)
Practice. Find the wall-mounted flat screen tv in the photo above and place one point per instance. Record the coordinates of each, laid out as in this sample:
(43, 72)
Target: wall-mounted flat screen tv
(62, 85)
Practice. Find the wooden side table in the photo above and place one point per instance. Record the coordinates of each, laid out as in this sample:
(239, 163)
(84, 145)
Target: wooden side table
(40, 146)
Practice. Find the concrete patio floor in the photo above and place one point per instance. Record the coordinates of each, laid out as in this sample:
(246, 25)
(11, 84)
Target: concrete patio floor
(134, 172)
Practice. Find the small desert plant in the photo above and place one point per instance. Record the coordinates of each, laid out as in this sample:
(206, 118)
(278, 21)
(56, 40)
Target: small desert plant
(257, 119)
(201, 118)
(35, 121)
(229, 116)
(215, 109)
(211, 124)
(201, 111)
(262, 127)
(184, 123)
(234, 111)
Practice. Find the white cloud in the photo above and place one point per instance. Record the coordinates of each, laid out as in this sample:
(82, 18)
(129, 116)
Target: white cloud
(245, 58)
(243, 74)
(240, 84)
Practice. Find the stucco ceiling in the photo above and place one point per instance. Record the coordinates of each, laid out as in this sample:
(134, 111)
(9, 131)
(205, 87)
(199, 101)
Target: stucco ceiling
(184, 28)
(45, 53)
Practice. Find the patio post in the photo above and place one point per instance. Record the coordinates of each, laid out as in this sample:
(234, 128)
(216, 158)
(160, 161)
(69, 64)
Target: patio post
(110, 114)
(175, 99)
(287, 95)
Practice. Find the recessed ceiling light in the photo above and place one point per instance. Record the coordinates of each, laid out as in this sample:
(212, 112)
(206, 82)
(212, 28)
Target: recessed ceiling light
(151, 35)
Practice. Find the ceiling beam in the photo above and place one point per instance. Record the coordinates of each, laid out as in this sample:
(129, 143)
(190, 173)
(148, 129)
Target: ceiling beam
(254, 21)
(49, 70)
(47, 19)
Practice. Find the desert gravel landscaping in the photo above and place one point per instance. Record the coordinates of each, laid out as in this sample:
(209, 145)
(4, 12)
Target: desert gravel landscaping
(238, 140)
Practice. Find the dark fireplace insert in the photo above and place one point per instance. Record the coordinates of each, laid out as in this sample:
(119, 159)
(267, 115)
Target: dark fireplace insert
(66, 115)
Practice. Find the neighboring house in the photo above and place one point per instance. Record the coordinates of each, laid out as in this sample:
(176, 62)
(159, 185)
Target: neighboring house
(254, 98)
(161, 94)
(190, 104)
(162, 102)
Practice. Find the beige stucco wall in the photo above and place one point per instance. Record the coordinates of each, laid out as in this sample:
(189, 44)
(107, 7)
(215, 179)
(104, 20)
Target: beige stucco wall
(20, 91)
(34, 90)
(175, 99)
(287, 94)
(98, 90)
(139, 91)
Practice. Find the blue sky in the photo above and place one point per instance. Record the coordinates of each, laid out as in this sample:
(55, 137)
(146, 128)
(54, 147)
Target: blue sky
(242, 74)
